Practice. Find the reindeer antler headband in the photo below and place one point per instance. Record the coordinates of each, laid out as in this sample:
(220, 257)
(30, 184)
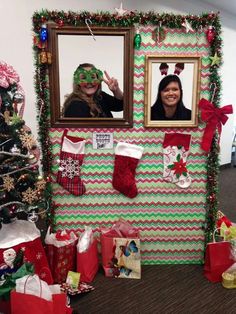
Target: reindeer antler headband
(164, 67)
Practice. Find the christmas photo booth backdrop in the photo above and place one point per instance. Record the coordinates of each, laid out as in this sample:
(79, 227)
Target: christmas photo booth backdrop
(174, 220)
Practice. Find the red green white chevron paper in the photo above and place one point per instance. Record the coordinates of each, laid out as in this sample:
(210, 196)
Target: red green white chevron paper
(170, 219)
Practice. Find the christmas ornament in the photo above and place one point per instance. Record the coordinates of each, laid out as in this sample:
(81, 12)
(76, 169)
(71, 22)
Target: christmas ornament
(175, 153)
(159, 34)
(60, 22)
(120, 11)
(210, 33)
(29, 196)
(187, 26)
(8, 183)
(215, 60)
(43, 33)
(127, 157)
(137, 40)
(27, 140)
(32, 217)
(45, 57)
(15, 150)
(71, 159)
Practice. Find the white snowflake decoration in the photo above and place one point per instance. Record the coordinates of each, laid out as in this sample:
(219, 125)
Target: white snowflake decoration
(70, 168)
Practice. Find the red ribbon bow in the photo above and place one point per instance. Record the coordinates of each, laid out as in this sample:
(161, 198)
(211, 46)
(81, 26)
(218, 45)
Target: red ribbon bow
(214, 118)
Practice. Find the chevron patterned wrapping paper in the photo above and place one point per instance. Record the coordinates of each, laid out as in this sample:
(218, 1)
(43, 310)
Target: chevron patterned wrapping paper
(170, 219)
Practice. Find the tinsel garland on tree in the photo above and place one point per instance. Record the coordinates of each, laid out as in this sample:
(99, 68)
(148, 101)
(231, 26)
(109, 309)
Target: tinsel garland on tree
(199, 23)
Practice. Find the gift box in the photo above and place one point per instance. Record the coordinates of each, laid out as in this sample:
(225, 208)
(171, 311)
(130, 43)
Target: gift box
(25, 236)
(120, 247)
(61, 253)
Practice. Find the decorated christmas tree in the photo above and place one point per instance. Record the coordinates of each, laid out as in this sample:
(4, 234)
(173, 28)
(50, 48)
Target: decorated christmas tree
(22, 192)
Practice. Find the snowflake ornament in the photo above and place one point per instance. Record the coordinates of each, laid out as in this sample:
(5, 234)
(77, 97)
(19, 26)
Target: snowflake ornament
(8, 183)
(70, 168)
(27, 140)
(29, 196)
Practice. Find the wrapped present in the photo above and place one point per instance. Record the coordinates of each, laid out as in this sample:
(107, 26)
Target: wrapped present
(120, 247)
(61, 253)
(22, 235)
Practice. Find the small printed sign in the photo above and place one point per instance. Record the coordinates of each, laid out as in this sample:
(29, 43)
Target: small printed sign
(102, 140)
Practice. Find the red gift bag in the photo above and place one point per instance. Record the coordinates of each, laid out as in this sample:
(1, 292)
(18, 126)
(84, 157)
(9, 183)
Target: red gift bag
(218, 258)
(87, 263)
(23, 303)
(24, 235)
(61, 255)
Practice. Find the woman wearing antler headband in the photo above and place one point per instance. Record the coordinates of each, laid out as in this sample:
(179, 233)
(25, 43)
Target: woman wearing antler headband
(169, 103)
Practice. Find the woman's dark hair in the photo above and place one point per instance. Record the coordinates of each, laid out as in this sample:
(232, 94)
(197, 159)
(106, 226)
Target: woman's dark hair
(78, 95)
(158, 111)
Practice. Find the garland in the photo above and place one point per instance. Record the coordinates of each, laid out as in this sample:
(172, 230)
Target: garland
(198, 23)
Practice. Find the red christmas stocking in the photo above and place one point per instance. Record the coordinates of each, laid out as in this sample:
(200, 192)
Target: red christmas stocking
(71, 160)
(175, 152)
(126, 160)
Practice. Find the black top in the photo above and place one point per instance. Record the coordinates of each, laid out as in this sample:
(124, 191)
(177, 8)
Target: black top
(106, 102)
(181, 113)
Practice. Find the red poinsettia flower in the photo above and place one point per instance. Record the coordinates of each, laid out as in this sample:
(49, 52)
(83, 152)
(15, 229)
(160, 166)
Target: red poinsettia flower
(179, 167)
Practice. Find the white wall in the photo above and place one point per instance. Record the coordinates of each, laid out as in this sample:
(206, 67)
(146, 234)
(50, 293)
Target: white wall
(16, 44)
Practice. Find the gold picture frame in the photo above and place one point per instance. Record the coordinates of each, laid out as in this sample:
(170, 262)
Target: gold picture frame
(187, 69)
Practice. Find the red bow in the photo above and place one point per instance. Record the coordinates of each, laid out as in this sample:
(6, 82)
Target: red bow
(213, 117)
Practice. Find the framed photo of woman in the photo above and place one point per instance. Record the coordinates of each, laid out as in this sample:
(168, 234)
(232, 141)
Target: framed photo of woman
(91, 76)
(172, 90)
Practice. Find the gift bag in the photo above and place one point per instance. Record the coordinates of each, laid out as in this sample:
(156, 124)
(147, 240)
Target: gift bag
(22, 235)
(87, 256)
(26, 302)
(61, 253)
(120, 247)
(217, 259)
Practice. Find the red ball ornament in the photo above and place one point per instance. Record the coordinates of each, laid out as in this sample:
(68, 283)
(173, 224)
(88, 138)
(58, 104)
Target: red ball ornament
(60, 23)
(210, 33)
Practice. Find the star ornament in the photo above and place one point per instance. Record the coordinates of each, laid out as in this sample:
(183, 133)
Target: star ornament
(120, 11)
(187, 26)
(215, 60)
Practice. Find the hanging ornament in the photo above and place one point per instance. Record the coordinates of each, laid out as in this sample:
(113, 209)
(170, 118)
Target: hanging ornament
(32, 217)
(215, 60)
(43, 33)
(159, 34)
(60, 22)
(187, 26)
(15, 150)
(137, 39)
(120, 11)
(210, 33)
(45, 57)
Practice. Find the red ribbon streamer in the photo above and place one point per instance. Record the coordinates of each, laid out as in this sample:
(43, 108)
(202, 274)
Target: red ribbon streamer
(214, 118)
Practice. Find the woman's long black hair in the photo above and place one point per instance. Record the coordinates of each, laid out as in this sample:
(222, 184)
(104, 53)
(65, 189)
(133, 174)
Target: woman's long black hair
(157, 109)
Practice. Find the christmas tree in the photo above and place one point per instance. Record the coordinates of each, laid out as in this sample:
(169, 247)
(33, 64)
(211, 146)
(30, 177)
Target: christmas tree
(23, 189)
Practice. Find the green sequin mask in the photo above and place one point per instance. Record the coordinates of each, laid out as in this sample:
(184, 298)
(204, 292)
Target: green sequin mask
(82, 76)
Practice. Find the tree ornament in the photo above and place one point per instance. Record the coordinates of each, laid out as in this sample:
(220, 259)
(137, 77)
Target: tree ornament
(215, 60)
(210, 33)
(137, 39)
(187, 26)
(159, 34)
(32, 217)
(43, 34)
(60, 22)
(120, 11)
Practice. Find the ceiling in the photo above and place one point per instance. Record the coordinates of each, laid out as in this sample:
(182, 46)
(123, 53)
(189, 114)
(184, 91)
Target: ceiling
(228, 6)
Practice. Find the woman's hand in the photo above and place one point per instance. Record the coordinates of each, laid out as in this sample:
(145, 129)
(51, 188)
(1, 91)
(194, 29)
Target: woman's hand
(113, 85)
